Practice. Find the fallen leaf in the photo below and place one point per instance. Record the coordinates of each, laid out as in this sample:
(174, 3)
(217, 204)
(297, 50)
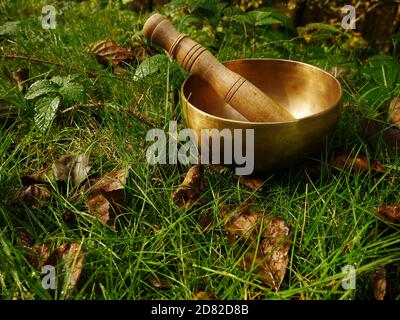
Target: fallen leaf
(270, 258)
(394, 112)
(109, 52)
(378, 278)
(20, 76)
(339, 71)
(32, 196)
(205, 220)
(251, 183)
(201, 295)
(36, 255)
(217, 168)
(160, 283)
(42, 176)
(139, 51)
(357, 163)
(189, 191)
(113, 181)
(382, 134)
(71, 167)
(72, 256)
(99, 206)
(107, 196)
(389, 213)
(25, 238)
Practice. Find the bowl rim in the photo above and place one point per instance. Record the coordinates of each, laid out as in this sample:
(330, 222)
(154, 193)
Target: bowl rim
(277, 123)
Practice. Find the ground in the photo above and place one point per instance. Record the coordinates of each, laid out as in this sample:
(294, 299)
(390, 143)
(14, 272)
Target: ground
(330, 212)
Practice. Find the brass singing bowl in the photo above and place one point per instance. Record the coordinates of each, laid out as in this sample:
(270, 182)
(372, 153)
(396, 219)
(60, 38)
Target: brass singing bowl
(311, 94)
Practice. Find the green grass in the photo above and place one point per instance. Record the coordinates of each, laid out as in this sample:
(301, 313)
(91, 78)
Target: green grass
(331, 214)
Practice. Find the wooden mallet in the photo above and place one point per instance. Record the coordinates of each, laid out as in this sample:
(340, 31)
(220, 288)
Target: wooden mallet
(242, 95)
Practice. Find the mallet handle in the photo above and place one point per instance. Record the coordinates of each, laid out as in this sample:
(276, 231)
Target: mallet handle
(242, 95)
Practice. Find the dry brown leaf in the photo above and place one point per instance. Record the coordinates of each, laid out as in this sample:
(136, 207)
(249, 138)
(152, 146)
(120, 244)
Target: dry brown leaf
(36, 255)
(71, 167)
(25, 238)
(217, 168)
(113, 181)
(109, 52)
(358, 163)
(201, 295)
(378, 278)
(107, 196)
(160, 283)
(190, 189)
(339, 71)
(270, 259)
(205, 220)
(139, 51)
(251, 183)
(32, 196)
(382, 134)
(42, 176)
(389, 213)
(394, 112)
(99, 206)
(71, 255)
(20, 76)
(39, 255)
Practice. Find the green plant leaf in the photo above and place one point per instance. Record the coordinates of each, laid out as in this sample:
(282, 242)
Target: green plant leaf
(316, 26)
(41, 87)
(62, 81)
(284, 20)
(45, 111)
(383, 69)
(72, 92)
(256, 18)
(9, 28)
(150, 65)
(241, 18)
(207, 7)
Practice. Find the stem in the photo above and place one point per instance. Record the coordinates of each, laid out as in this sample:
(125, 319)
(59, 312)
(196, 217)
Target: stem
(90, 73)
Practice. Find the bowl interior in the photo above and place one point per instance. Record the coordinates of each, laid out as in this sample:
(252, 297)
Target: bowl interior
(302, 89)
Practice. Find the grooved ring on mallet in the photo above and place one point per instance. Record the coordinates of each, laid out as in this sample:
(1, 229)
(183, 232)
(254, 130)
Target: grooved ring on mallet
(194, 58)
(229, 95)
(171, 51)
(189, 55)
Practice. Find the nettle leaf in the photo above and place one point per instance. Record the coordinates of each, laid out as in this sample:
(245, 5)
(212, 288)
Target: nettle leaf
(261, 18)
(317, 26)
(9, 28)
(72, 93)
(242, 18)
(62, 81)
(231, 11)
(256, 18)
(45, 111)
(150, 65)
(40, 88)
(284, 20)
(383, 69)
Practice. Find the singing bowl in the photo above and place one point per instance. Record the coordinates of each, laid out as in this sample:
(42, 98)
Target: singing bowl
(311, 94)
